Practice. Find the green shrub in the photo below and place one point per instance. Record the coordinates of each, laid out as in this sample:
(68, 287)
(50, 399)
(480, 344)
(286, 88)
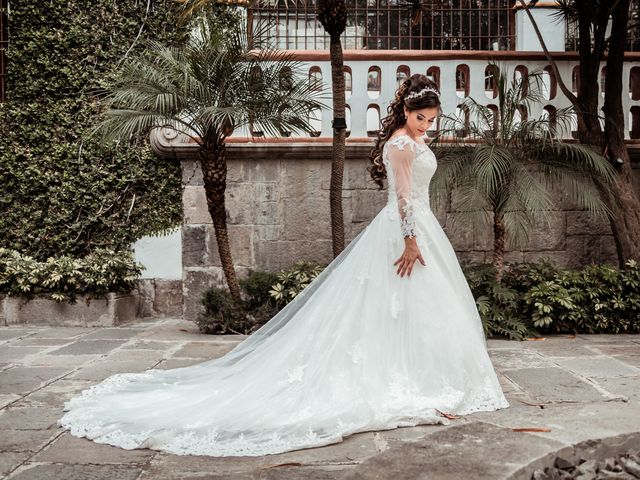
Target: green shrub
(256, 286)
(65, 277)
(595, 299)
(532, 299)
(224, 315)
(499, 305)
(293, 280)
(552, 299)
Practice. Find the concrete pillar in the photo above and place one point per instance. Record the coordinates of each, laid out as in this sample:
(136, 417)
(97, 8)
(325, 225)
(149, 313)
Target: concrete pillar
(552, 28)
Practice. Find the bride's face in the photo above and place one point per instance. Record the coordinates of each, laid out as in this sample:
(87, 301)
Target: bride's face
(419, 121)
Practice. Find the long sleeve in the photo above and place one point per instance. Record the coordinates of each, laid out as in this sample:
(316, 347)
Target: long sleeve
(401, 157)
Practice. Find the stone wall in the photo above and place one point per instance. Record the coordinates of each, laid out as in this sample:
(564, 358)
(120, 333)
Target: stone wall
(278, 212)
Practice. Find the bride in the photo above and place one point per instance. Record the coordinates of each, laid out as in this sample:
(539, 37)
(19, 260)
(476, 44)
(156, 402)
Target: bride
(388, 335)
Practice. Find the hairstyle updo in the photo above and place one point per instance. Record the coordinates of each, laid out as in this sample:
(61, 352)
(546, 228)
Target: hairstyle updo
(395, 118)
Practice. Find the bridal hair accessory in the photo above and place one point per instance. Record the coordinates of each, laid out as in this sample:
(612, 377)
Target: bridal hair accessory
(422, 92)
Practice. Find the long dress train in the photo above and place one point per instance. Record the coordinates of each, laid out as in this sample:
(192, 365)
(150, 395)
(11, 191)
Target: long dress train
(359, 349)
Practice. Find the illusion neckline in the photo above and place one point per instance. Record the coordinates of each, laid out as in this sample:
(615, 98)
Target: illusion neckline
(422, 144)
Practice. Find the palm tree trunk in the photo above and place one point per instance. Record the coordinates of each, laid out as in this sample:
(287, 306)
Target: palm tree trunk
(214, 172)
(338, 152)
(498, 244)
(626, 223)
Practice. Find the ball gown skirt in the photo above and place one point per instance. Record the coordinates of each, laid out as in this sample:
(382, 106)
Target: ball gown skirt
(359, 349)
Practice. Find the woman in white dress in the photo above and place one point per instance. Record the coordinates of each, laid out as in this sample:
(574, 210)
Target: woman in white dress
(387, 335)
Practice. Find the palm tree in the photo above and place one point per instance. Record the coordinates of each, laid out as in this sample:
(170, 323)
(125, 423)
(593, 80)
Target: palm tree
(205, 90)
(491, 166)
(332, 14)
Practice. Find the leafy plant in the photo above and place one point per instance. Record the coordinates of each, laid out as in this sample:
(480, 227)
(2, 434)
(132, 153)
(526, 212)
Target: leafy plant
(499, 306)
(293, 280)
(224, 314)
(65, 277)
(530, 300)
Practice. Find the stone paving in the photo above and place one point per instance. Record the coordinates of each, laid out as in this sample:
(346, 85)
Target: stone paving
(579, 388)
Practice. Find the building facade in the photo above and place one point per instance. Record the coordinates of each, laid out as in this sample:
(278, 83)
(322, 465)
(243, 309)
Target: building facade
(278, 188)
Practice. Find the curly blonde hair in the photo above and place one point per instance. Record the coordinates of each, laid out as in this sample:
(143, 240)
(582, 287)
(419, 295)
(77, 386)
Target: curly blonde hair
(395, 118)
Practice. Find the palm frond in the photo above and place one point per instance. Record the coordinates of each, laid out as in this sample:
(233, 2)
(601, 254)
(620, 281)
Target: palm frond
(217, 80)
(492, 165)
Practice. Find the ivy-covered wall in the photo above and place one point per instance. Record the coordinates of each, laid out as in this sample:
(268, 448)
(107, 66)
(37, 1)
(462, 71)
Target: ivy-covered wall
(58, 193)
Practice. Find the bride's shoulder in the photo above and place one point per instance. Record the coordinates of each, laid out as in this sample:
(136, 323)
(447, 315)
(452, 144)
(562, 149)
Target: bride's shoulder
(400, 138)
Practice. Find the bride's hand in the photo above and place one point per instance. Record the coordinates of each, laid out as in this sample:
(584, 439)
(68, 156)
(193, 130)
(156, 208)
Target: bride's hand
(409, 256)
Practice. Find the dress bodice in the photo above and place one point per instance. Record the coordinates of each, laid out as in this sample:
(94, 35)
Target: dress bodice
(410, 165)
(422, 170)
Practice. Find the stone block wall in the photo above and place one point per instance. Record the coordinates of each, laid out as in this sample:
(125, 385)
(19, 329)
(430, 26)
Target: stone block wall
(277, 204)
(158, 297)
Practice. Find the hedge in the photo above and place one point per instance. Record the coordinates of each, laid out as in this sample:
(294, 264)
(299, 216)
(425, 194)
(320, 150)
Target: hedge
(59, 194)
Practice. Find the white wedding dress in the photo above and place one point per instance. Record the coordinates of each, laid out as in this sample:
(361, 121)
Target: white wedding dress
(359, 349)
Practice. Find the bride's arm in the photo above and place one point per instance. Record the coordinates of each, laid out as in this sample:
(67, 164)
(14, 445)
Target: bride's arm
(401, 158)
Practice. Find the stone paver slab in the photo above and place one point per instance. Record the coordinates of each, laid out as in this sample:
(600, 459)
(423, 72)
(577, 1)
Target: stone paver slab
(203, 350)
(553, 385)
(61, 332)
(570, 423)
(98, 371)
(88, 347)
(167, 466)
(177, 363)
(564, 349)
(36, 341)
(607, 338)
(111, 334)
(623, 386)
(123, 355)
(67, 361)
(29, 418)
(56, 393)
(598, 367)
(8, 398)
(22, 380)
(9, 354)
(24, 440)
(11, 333)
(148, 345)
(609, 349)
(76, 472)
(70, 449)
(467, 451)
(633, 360)
(11, 460)
(507, 359)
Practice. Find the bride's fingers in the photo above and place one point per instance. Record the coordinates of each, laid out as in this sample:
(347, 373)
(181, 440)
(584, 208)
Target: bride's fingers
(421, 259)
(401, 268)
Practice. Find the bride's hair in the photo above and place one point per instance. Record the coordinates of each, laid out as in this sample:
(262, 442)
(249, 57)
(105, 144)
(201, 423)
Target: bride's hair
(396, 119)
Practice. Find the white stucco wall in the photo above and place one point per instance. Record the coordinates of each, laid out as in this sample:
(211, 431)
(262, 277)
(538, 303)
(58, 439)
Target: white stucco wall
(161, 256)
(552, 30)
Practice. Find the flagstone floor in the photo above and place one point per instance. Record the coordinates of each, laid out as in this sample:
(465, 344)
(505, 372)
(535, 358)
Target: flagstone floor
(563, 390)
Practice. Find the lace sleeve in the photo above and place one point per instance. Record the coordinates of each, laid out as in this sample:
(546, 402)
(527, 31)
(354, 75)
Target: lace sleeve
(401, 157)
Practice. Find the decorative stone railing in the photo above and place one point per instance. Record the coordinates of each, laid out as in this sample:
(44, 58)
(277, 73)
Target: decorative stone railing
(373, 76)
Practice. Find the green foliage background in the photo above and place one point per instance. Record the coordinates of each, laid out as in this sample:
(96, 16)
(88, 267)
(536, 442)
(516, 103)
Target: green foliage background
(60, 194)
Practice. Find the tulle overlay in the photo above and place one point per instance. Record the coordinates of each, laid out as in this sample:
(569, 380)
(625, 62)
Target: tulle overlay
(360, 349)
